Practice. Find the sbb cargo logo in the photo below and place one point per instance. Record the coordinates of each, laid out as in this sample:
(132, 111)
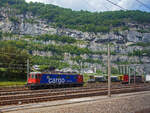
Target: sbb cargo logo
(56, 80)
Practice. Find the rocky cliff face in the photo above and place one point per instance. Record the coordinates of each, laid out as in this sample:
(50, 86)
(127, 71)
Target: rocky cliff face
(23, 24)
(120, 40)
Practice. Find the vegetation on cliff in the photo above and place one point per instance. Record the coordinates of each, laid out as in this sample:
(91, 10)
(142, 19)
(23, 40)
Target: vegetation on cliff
(81, 20)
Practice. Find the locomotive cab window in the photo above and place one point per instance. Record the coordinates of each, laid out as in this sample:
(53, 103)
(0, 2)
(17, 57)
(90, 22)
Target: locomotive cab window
(32, 76)
(38, 76)
(35, 76)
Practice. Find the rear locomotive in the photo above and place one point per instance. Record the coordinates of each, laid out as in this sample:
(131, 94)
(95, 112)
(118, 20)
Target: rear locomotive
(126, 79)
(38, 80)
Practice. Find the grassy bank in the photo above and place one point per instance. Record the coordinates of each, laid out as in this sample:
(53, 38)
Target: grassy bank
(12, 83)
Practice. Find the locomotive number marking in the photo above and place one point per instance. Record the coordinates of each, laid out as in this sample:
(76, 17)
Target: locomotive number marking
(56, 80)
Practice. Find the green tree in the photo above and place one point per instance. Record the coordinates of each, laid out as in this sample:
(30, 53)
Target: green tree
(1, 35)
(13, 62)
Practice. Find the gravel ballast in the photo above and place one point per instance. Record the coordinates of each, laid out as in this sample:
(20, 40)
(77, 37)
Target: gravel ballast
(123, 103)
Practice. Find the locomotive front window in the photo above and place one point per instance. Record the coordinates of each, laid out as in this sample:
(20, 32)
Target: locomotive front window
(32, 76)
(38, 76)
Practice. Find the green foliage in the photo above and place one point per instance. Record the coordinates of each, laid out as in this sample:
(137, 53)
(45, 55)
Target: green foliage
(46, 62)
(143, 31)
(114, 70)
(79, 59)
(31, 21)
(28, 37)
(12, 83)
(123, 63)
(124, 28)
(1, 35)
(86, 78)
(44, 59)
(64, 39)
(51, 47)
(81, 20)
(77, 67)
(13, 62)
(7, 34)
(14, 19)
(145, 52)
(142, 44)
(140, 53)
(93, 61)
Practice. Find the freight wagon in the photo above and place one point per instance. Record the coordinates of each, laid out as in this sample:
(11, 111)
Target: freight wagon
(94, 79)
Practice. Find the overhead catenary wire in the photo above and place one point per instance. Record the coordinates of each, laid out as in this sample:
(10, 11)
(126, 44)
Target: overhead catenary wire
(116, 5)
(90, 5)
(106, 8)
(94, 7)
(143, 4)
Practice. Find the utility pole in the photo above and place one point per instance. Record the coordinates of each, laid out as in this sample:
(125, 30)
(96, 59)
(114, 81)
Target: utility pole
(28, 69)
(81, 67)
(144, 77)
(109, 72)
(134, 75)
(129, 71)
(124, 69)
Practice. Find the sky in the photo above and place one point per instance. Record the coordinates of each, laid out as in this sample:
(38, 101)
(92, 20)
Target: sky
(98, 5)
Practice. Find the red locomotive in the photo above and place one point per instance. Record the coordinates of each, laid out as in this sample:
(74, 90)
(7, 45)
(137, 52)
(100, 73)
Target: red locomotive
(127, 78)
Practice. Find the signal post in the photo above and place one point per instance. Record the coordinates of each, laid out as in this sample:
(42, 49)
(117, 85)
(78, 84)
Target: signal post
(109, 72)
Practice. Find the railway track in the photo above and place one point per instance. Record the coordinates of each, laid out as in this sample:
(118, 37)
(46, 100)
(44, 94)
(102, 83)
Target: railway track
(9, 89)
(26, 91)
(61, 94)
(23, 88)
(13, 89)
(20, 88)
(51, 93)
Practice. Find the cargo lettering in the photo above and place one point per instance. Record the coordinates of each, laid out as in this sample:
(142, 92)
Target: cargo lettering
(56, 80)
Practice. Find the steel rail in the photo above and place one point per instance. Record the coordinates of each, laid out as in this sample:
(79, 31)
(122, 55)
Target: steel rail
(70, 96)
